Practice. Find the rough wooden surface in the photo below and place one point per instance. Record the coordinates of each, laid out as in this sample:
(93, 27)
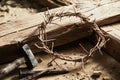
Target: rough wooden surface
(26, 30)
(29, 25)
(113, 46)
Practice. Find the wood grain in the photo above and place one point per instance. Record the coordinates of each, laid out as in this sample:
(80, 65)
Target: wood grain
(26, 30)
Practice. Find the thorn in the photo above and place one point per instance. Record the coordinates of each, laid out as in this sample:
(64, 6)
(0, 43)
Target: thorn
(83, 48)
(49, 40)
(52, 46)
(90, 15)
(38, 46)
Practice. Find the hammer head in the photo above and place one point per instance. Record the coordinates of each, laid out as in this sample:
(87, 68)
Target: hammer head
(31, 60)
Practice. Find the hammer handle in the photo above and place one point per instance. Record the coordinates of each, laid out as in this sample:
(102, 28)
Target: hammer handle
(11, 66)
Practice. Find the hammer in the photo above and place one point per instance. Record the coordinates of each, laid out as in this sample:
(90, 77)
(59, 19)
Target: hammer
(30, 60)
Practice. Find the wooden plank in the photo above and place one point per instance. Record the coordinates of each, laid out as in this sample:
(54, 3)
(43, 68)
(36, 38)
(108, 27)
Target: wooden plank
(58, 3)
(31, 22)
(113, 46)
(26, 30)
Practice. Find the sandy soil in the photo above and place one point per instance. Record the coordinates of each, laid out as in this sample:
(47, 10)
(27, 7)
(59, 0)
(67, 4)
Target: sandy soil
(17, 9)
(110, 68)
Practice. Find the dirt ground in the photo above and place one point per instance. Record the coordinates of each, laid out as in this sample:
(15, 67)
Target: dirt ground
(109, 68)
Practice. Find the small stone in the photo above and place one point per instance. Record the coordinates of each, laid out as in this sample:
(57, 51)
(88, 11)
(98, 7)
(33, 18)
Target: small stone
(54, 68)
(65, 62)
(106, 78)
(10, 2)
(96, 74)
(77, 74)
(82, 78)
(57, 79)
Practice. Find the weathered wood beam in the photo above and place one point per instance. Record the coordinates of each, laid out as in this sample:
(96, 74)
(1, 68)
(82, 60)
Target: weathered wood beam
(113, 45)
(26, 30)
